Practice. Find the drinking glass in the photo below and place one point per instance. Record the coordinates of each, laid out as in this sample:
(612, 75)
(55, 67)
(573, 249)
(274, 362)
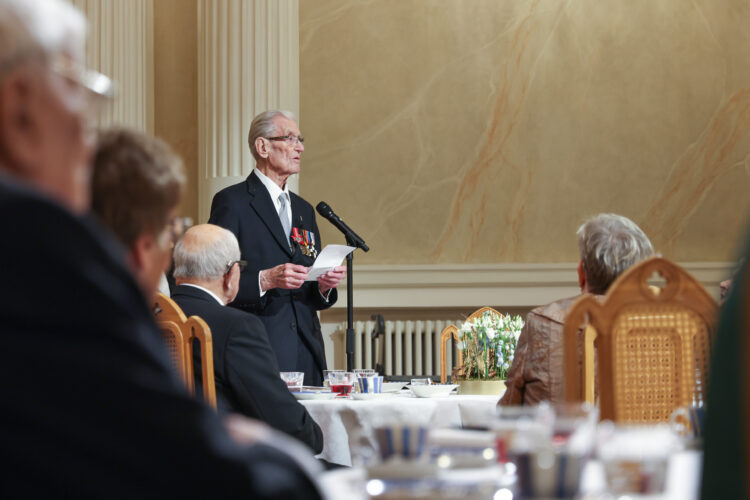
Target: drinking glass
(326, 382)
(575, 425)
(293, 380)
(341, 382)
(636, 457)
(369, 385)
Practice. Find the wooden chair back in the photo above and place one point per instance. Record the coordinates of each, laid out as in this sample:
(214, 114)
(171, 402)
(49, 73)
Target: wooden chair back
(179, 333)
(451, 332)
(653, 349)
(200, 330)
(175, 342)
(448, 335)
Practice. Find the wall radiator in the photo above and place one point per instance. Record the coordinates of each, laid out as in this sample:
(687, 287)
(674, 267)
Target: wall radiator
(412, 347)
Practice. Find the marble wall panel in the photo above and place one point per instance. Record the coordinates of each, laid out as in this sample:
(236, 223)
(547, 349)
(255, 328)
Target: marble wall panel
(485, 131)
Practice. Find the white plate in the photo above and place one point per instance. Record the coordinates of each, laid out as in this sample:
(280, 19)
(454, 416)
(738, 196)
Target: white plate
(368, 396)
(307, 396)
(392, 386)
(433, 390)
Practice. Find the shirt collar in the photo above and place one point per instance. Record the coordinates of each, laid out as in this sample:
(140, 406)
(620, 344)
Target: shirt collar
(273, 189)
(212, 294)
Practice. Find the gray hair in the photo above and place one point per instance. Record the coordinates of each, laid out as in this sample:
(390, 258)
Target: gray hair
(609, 244)
(40, 29)
(206, 258)
(263, 126)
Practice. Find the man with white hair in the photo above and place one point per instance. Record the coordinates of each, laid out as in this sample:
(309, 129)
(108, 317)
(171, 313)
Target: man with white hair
(90, 406)
(279, 239)
(608, 245)
(207, 272)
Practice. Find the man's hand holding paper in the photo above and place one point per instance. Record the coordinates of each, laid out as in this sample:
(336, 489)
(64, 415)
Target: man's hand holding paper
(331, 279)
(327, 268)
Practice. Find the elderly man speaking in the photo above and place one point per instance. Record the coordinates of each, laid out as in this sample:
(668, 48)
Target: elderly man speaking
(279, 239)
(89, 407)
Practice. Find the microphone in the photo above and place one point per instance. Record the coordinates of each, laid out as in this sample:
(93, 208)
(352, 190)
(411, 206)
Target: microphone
(351, 237)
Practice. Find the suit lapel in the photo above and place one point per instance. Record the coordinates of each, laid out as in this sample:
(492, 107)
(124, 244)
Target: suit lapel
(261, 202)
(297, 220)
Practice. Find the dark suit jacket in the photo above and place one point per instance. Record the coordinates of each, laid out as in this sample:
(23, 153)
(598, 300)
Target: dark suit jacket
(246, 373)
(90, 407)
(289, 316)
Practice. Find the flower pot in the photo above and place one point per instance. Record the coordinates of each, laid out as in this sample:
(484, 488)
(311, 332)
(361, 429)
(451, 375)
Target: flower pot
(484, 387)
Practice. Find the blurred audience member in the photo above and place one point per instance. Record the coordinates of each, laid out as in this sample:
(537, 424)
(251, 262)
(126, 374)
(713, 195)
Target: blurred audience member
(207, 270)
(608, 245)
(726, 433)
(90, 408)
(137, 183)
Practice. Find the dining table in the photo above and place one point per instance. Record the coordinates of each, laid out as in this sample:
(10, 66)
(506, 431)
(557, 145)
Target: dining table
(349, 423)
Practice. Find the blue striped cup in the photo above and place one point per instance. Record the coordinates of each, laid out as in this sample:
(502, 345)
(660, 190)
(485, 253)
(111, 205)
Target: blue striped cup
(370, 385)
(406, 442)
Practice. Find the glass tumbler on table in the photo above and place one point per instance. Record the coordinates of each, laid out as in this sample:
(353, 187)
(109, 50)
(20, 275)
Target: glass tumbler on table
(327, 378)
(341, 382)
(293, 380)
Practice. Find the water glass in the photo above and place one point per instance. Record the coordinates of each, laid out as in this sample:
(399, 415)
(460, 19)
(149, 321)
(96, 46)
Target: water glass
(326, 383)
(687, 421)
(342, 382)
(293, 380)
(636, 457)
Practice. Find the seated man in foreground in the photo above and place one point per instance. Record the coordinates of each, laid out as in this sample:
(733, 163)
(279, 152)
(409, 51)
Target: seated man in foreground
(207, 272)
(90, 406)
(608, 245)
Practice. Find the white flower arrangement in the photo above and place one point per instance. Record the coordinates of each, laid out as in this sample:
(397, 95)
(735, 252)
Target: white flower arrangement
(488, 344)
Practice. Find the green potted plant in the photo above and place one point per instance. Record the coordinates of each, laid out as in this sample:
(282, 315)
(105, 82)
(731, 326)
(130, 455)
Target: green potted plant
(488, 344)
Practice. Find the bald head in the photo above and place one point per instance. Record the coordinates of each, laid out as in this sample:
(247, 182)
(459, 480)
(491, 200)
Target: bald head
(204, 252)
(206, 256)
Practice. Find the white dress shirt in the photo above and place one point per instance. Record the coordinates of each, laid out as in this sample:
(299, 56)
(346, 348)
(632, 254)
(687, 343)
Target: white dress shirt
(275, 191)
(212, 294)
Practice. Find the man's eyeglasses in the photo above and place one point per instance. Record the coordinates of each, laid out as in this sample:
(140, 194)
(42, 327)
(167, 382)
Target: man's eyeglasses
(241, 263)
(93, 81)
(289, 139)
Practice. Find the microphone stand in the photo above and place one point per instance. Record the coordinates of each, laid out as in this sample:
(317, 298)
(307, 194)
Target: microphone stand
(350, 306)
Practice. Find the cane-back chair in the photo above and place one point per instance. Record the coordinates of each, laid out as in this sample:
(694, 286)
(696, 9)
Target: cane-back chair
(179, 333)
(652, 345)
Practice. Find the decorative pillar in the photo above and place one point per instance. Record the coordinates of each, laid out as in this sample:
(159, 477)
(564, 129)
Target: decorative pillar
(120, 45)
(248, 62)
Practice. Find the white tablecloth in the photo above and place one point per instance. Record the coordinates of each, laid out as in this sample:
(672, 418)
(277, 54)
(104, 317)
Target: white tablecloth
(346, 421)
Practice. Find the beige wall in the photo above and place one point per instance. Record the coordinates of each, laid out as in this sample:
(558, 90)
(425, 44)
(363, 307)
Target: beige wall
(484, 131)
(176, 87)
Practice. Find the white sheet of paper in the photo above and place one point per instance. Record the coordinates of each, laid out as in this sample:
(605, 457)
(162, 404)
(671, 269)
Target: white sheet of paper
(330, 257)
